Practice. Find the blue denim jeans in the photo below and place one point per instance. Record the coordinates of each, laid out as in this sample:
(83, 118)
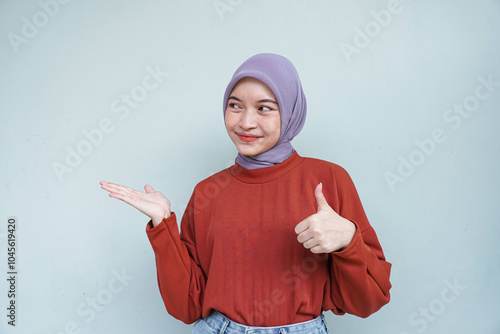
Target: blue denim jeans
(217, 323)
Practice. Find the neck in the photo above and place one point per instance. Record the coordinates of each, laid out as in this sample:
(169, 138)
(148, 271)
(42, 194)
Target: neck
(275, 155)
(267, 174)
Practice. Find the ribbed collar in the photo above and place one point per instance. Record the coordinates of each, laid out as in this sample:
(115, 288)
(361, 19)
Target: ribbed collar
(266, 174)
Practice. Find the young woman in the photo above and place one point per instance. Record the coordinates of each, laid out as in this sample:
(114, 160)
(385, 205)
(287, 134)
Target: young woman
(271, 242)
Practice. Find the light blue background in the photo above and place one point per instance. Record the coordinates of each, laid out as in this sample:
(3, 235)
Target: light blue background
(365, 111)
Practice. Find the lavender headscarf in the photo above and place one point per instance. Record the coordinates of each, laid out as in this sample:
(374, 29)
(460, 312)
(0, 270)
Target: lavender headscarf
(279, 74)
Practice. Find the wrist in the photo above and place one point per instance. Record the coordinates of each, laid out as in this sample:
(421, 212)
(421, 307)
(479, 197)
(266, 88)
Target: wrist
(349, 234)
(158, 219)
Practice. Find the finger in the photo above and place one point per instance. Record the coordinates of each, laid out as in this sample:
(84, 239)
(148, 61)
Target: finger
(125, 198)
(108, 183)
(304, 237)
(311, 243)
(117, 188)
(105, 186)
(317, 249)
(113, 189)
(149, 189)
(320, 198)
(302, 226)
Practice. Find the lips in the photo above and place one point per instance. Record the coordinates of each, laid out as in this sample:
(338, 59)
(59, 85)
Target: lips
(247, 137)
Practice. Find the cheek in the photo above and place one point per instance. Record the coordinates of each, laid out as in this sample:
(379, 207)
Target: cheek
(273, 127)
(228, 120)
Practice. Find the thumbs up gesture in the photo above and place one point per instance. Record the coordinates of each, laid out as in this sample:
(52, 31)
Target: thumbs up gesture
(324, 231)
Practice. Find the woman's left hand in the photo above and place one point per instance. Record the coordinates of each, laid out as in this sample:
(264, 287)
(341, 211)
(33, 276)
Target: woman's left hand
(325, 231)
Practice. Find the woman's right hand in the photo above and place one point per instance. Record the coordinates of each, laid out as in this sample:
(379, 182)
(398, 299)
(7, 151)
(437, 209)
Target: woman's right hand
(152, 203)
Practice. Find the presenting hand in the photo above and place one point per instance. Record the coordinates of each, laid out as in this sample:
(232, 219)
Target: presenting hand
(325, 231)
(152, 203)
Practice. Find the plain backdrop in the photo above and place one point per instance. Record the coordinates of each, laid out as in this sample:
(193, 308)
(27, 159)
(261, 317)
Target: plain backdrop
(405, 96)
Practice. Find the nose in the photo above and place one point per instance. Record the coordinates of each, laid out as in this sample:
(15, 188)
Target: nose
(248, 119)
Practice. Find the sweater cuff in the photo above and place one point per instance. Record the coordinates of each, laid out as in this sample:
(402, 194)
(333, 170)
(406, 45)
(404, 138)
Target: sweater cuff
(155, 232)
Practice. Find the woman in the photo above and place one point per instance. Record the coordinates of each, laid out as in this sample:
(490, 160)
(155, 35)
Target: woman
(272, 241)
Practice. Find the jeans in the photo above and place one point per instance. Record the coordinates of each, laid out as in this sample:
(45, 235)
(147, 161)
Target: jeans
(217, 323)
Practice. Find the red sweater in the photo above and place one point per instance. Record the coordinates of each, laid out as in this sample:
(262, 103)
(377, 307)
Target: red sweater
(238, 252)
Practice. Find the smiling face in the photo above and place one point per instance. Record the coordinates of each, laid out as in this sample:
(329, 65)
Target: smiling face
(252, 118)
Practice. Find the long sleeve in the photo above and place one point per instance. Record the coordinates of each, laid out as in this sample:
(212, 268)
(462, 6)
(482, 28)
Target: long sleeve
(181, 279)
(360, 274)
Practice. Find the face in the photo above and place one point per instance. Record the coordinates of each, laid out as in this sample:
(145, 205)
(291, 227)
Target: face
(252, 118)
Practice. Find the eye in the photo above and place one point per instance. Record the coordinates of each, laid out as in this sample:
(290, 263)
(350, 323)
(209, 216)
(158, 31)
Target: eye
(264, 108)
(233, 106)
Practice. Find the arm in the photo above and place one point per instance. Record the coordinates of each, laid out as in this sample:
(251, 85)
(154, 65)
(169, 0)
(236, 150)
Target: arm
(181, 279)
(360, 274)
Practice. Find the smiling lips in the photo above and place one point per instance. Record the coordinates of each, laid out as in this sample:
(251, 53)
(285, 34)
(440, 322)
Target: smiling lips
(247, 138)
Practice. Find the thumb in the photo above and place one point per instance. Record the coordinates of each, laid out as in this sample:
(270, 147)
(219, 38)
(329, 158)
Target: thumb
(320, 198)
(149, 189)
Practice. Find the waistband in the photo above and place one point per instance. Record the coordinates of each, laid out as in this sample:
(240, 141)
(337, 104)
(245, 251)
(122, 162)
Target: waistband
(229, 326)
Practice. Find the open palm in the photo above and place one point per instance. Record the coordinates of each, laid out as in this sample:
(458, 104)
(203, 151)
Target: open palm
(151, 202)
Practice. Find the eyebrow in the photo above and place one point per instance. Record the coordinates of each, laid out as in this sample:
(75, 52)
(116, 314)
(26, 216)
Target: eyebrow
(261, 101)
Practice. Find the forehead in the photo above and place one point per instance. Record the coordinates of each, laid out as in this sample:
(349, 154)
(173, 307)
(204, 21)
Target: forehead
(252, 86)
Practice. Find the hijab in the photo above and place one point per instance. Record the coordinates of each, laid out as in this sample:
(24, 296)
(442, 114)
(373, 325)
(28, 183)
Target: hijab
(279, 74)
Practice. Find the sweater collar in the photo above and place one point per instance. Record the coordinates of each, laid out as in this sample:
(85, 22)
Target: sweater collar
(265, 174)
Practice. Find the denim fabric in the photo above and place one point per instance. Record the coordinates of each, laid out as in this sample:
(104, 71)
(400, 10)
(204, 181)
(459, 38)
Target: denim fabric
(217, 323)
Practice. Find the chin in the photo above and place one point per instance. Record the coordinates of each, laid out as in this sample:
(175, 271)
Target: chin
(248, 151)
